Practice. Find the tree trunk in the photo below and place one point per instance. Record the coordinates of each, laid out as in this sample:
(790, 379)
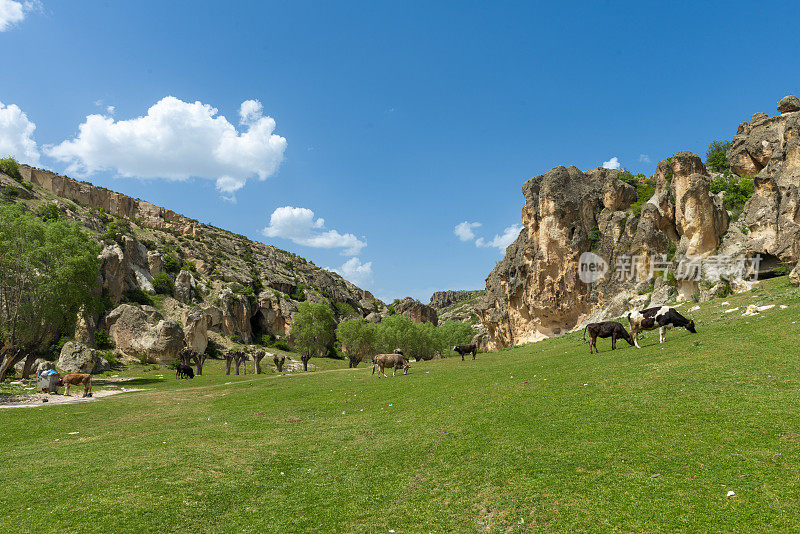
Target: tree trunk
(228, 360)
(201, 359)
(305, 359)
(10, 357)
(29, 361)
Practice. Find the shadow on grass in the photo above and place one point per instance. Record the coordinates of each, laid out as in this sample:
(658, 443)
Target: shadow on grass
(125, 383)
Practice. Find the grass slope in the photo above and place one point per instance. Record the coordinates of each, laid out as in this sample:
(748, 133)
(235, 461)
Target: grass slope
(543, 437)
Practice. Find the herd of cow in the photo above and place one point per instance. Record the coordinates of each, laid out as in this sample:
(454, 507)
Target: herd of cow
(662, 317)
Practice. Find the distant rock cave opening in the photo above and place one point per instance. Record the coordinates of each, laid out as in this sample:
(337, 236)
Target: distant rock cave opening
(770, 266)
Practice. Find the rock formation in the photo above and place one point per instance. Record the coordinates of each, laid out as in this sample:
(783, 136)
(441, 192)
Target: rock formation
(78, 358)
(417, 311)
(444, 299)
(141, 333)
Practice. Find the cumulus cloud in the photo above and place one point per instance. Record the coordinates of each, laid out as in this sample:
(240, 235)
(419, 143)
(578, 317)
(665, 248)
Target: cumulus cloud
(501, 242)
(644, 158)
(16, 135)
(12, 12)
(613, 163)
(300, 226)
(464, 230)
(177, 140)
(355, 271)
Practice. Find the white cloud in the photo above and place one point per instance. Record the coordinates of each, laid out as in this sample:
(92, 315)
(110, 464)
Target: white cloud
(644, 158)
(16, 135)
(613, 163)
(110, 110)
(355, 271)
(299, 225)
(464, 230)
(12, 12)
(501, 242)
(177, 140)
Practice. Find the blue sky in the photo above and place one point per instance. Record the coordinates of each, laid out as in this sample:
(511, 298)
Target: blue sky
(393, 121)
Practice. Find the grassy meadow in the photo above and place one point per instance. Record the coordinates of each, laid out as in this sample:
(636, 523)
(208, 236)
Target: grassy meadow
(541, 438)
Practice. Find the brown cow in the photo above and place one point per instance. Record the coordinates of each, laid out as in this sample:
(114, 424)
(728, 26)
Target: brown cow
(77, 379)
(395, 361)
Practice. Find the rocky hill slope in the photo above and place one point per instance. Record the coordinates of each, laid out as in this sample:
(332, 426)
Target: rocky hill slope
(642, 228)
(224, 283)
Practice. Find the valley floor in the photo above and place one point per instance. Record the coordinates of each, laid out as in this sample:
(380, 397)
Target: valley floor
(542, 437)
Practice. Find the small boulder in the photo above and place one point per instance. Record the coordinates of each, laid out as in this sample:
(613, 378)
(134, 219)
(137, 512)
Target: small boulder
(788, 104)
(794, 276)
(184, 287)
(78, 358)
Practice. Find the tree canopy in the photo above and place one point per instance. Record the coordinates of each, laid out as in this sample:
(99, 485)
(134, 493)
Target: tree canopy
(312, 330)
(48, 270)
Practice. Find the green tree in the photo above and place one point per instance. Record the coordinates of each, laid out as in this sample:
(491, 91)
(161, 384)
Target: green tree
(312, 330)
(48, 270)
(396, 332)
(163, 284)
(358, 338)
(10, 167)
(454, 333)
(716, 156)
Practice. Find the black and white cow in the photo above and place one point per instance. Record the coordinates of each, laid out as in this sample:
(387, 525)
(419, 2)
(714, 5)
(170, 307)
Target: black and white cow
(662, 317)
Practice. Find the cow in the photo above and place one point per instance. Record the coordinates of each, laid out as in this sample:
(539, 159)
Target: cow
(395, 361)
(466, 349)
(661, 317)
(184, 371)
(77, 379)
(606, 329)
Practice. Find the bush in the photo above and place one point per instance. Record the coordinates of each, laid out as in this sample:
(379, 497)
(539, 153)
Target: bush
(343, 309)
(48, 212)
(10, 167)
(737, 191)
(171, 264)
(163, 284)
(111, 358)
(594, 237)
(10, 192)
(282, 344)
(102, 339)
(716, 156)
(138, 296)
(644, 192)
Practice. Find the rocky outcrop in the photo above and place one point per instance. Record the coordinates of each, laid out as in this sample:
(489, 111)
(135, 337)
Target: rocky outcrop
(184, 287)
(195, 329)
(236, 315)
(141, 333)
(78, 358)
(125, 268)
(768, 148)
(444, 299)
(789, 104)
(274, 314)
(416, 311)
(536, 290)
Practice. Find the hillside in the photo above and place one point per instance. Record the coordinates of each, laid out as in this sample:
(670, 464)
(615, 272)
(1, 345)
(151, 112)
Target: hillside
(225, 285)
(542, 437)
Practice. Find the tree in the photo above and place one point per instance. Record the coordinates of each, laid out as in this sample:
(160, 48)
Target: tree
(48, 271)
(312, 330)
(358, 339)
(396, 332)
(717, 157)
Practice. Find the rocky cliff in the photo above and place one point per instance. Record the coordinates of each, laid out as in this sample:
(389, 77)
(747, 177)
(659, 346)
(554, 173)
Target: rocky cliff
(219, 282)
(642, 225)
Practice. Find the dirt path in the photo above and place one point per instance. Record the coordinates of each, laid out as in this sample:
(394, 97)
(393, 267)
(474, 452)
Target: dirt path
(36, 400)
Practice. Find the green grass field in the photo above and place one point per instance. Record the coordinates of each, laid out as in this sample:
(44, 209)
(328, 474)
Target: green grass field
(543, 437)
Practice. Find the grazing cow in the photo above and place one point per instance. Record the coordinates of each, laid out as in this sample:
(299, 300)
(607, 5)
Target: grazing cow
(606, 329)
(466, 349)
(77, 379)
(662, 317)
(398, 351)
(184, 371)
(395, 361)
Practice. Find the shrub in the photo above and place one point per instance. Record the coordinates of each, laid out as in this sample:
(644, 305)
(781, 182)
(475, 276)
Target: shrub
(716, 158)
(345, 310)
(48, 212)
(737, 190)
(171, 263)
(163, 284)
(111, 357)
(10, 167)
(10, 192)
(138, 296)
(282, 344)
(102, 339)
(644, 192)
(594, 237)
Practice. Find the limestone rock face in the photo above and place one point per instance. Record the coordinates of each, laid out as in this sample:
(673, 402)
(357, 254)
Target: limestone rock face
(124, 268)
(184, 287)
(443, 299)
(155, 262)
(416, 311)
(274, 314)
(236, 315)
(195, 329)
(789, 104)
(78, 358)
(141, 331)
(768, 148)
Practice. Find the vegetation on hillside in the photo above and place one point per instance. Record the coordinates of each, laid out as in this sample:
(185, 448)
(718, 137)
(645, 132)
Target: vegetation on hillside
(10, 167)
(48, 270)
(716, 156)
(737, 191)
